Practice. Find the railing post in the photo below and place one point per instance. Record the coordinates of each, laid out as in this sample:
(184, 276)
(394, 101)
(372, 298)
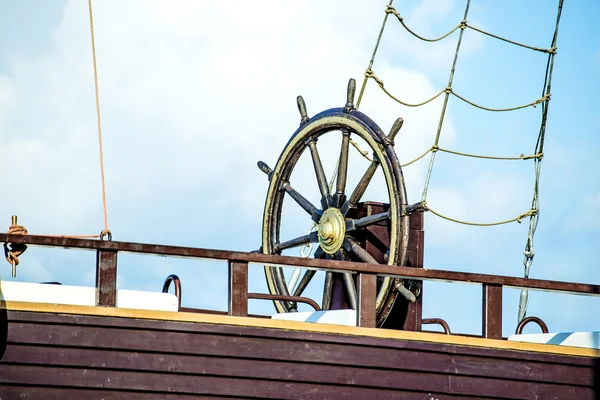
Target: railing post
(492, 311)
(106, 278)
(238, 288)
(416, 243)
(367, 296)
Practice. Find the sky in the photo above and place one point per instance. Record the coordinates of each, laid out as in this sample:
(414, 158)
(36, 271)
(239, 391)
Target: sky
(194, 93)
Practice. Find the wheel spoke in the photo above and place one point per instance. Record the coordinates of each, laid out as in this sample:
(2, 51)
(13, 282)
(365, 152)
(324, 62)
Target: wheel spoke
(327, 290)
(312, 237)
(352, 246)
(360, 188)
(353, 224)
(348, 281)
(319, 252)
(342, 175)
(321, 178)
(302, 202)
(306, 278)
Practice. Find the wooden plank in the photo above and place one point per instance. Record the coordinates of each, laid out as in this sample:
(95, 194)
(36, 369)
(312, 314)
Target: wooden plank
(184, 384)
(367, 293)
(227, 366)
(303, 329)
(492, 311)
(277, 260)
(106, 278)
(238, 288)
(445, 360)
(54, 393)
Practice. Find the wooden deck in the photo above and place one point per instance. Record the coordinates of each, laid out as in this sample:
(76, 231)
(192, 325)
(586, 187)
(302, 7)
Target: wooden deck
(69, 352)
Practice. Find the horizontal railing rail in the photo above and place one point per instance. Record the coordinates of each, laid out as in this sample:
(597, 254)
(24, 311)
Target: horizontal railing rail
(106, 272)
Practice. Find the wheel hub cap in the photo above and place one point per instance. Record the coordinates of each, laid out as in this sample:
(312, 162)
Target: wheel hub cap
(332, 229)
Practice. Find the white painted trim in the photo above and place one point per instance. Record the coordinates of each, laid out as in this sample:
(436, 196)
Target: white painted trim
(84, 296)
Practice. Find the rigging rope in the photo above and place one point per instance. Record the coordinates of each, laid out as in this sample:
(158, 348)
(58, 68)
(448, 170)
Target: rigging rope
(370, 74)
(104, 208)
(518, 218)
(12, 251)
(364, 83)
(462, 25)
(529, 252)
(392, 10)
(443, 113)
(537, 157)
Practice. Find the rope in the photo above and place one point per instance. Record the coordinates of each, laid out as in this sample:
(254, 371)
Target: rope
(391, 10)
(418, 158)
(521, 157)
(532, 104)
(105, 231)
(529, 252)
(463, 25)
(443, 113)
(14, 250)
(551, 50)
(537, 157)
(518, 219)
(364, 83)
(364, 153)
(370, 74)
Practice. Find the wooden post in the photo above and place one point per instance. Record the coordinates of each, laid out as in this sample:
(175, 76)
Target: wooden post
(106, 278)
(367, 296)
(238, 288)
(492, 311)
(416, 243)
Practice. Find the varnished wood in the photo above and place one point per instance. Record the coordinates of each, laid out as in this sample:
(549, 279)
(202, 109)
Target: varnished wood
(116, 358)
(301, 327)
(238, 288)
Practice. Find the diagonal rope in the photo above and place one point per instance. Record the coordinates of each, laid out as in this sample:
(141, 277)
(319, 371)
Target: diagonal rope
(104, 208)
(364, 83)
(444, 106)
(551, 50)
(529, 252)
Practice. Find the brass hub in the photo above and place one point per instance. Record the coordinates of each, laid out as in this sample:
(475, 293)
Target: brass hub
(332, 230)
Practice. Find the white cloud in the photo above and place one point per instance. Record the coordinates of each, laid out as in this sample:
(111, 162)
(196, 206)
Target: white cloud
(192, 95)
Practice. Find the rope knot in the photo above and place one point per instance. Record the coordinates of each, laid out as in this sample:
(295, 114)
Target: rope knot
(391, 10)
(435, 148)
(529, 254)
(12, 251)
(552, 50)
(463, 24)
(370, 74)
(448, 90)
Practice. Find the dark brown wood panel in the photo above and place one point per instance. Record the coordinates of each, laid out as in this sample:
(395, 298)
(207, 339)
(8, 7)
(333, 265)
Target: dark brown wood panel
(61, 393)
(247, 331)
(116, 354)
(191, 384)
(309, 351)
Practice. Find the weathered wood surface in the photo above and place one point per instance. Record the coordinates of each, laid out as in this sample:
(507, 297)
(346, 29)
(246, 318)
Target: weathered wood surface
(57, 356)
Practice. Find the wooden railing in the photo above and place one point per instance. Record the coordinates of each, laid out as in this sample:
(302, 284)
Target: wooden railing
(492, 285)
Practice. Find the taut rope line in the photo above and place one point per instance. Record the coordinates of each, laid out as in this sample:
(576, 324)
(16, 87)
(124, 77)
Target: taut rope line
(104, 208)
(13, 251)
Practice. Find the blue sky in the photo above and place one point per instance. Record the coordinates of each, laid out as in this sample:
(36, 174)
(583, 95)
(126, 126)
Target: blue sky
(194, 93)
